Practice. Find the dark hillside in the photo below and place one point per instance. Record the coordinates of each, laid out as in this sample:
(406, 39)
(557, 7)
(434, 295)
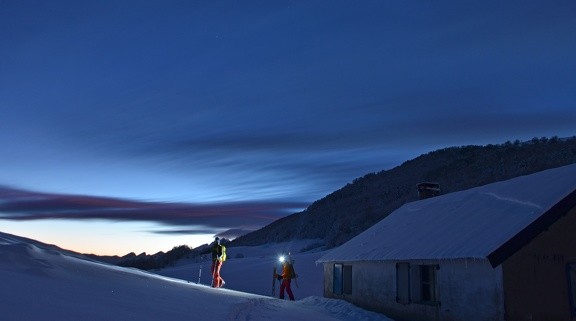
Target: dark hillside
(350, 210)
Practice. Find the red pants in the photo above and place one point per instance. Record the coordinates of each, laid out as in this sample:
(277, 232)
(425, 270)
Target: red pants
(285, 285)
(217, 280)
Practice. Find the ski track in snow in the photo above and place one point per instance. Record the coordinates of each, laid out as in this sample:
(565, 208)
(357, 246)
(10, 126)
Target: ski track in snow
(243, 311)
(322, 309)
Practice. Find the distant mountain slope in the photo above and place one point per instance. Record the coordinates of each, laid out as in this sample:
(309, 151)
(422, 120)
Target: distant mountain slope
(350, 210)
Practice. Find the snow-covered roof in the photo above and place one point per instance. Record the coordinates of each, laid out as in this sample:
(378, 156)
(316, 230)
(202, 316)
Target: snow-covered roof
(476, 223)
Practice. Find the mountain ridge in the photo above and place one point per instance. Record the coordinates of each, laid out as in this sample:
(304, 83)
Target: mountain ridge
(348, 211)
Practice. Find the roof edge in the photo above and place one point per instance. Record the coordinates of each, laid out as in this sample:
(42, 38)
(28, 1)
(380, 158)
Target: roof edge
(534, 229)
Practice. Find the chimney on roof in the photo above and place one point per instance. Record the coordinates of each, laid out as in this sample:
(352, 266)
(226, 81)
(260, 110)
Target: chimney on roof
(428, 189)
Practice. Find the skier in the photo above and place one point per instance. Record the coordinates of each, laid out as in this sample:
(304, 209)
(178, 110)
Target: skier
(286, 278)
(218, 258)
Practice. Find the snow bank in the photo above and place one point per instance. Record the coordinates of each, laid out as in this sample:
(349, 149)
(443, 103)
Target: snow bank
(41, 283)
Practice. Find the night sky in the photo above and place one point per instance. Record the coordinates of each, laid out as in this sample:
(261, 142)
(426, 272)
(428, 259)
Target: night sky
(143, 125)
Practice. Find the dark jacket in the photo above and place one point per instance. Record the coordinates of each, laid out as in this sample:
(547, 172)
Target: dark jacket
(216, 251)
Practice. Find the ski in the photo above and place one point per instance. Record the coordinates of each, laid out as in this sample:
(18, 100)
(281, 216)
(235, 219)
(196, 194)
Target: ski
(274, 282)
(296, 280)
(294, 275)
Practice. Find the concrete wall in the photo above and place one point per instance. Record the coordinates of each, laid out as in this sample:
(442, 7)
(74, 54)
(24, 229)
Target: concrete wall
(471, 290)
(535, 279)
(468, 290)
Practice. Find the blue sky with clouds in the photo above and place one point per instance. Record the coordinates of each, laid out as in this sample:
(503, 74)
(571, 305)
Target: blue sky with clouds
(243, 109)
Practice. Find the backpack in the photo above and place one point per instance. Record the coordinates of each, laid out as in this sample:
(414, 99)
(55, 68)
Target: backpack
(223, 249)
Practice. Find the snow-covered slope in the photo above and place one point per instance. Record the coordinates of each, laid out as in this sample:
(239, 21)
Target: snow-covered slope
(249, 269)
(41, 283)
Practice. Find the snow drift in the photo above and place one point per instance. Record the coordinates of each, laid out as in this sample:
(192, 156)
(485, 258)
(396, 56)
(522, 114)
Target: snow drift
(40, 282)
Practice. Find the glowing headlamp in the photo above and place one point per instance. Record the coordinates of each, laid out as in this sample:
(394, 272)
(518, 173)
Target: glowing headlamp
(281, 258)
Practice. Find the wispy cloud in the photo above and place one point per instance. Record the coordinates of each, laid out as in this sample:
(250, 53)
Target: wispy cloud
(21, 205)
